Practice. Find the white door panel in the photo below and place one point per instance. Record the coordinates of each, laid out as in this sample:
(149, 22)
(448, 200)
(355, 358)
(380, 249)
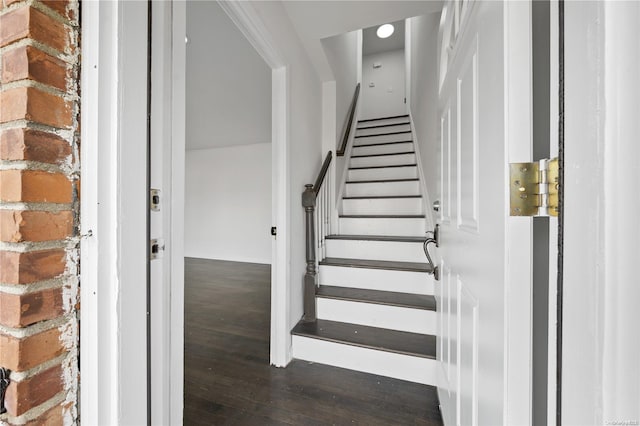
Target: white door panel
(477, 118)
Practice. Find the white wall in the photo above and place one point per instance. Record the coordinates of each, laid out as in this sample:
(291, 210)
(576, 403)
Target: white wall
(228, 83)
(387, 97)
(342, 54)
(305, 133)
(228, 104)
(228, 203)
(423, 96)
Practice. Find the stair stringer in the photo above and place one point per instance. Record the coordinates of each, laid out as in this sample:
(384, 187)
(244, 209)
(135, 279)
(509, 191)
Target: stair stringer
(335, 214)
(426, 199)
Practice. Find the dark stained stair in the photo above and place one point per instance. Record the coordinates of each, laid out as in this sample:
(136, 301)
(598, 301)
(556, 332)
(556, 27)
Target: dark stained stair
(390, 298)
(401, 342)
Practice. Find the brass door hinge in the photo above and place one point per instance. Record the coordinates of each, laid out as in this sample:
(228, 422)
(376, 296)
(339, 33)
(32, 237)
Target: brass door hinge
(534, 188)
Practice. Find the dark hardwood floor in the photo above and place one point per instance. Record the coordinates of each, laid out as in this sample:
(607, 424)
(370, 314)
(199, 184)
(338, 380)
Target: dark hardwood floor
(228, 380)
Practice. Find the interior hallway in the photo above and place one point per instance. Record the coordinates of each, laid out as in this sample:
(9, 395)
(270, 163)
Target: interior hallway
(228, 380)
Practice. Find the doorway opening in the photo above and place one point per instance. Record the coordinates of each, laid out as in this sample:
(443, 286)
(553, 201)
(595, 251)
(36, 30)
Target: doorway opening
(228, 211)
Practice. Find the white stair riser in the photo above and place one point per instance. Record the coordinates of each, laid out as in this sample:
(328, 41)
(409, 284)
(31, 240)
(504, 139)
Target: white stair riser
(383, 160)
(377, 279)
(383, 149)
(409, 172)
(395, 120)
(395, 251)
(381, 188)
(382, 138)
(406, 227)
(388, 129)
(376, 315)
(383, 206)
(389, 364)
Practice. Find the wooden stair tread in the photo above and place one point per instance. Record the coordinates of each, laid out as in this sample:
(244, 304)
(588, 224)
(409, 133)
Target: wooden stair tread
(382, 134)
(401, 342)
(383, 167)
(381, 143)
(377, 264)
(383, 155)
(390, 298)
(383, 118)
(383, 216)
(375, 197)
(382, 180)
(398, 239)
(383, 125)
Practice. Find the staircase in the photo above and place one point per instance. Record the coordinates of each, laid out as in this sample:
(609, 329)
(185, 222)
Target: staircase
(375, 307)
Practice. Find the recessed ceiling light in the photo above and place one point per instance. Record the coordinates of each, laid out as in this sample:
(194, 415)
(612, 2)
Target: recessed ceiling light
(385, 30)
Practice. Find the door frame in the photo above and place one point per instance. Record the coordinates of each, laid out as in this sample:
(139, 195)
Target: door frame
(250, 24)
(113, 202)
(600, 346)
(172, 92)
(113, 205)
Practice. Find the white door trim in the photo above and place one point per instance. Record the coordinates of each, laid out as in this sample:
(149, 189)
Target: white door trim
(113, 252)
(600, 345)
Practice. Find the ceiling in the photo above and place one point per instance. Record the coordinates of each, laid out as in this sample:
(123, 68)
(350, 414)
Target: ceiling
(371, 43)
(228, 83)
(314, 20)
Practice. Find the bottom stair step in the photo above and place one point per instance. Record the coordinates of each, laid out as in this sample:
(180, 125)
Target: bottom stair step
(402, 355)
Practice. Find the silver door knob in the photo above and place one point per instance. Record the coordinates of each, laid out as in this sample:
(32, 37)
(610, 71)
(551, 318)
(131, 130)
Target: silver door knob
(436, 205)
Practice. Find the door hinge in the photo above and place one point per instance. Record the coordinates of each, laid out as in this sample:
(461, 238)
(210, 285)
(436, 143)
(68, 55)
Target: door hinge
(534, 188)
(274, 231)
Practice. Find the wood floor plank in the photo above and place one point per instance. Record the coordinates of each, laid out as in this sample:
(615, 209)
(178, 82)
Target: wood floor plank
(228, 379)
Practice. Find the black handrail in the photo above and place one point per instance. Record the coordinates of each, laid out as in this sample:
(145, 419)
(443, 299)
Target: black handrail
(347, 129)
(323, 173)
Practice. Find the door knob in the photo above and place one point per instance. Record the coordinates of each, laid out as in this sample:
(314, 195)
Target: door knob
(436, 205)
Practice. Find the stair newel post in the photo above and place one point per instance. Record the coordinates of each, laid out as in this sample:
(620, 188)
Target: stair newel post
(311, 276)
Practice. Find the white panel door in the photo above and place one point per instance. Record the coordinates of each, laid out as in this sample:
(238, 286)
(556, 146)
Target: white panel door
(484, 108)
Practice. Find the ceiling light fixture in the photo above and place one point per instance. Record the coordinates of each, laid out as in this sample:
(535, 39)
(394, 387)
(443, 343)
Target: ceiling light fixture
(385, 30)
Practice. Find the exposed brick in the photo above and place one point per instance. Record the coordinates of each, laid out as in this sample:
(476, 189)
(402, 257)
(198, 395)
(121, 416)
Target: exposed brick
(30, 267)
(52, 417)
(33, 104)
(29, 393)
(21, 310)
(27, 62)
(34, 145)
(23, 354)
(17, 226)
(27, 22)
(62, 7)
(34, 186)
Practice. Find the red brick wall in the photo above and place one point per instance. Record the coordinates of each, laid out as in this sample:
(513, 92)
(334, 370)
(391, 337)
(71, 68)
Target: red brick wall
(39, 143)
